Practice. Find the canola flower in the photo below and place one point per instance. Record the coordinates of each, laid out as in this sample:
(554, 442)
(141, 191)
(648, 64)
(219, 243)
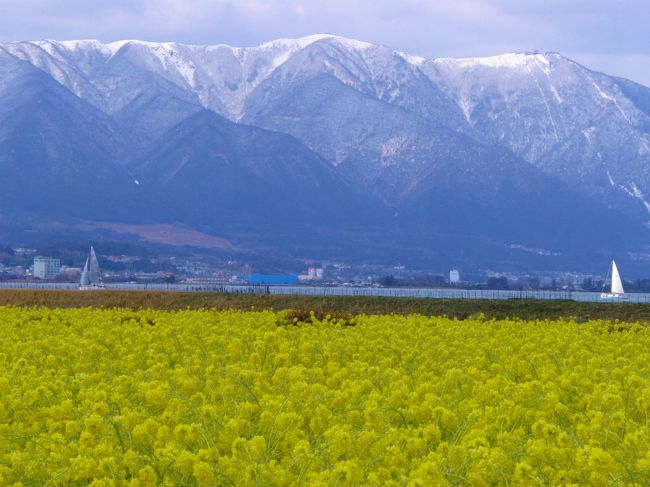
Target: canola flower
(206, 398)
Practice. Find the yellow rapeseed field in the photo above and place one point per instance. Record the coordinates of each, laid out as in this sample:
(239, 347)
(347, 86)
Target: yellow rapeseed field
(117, 397)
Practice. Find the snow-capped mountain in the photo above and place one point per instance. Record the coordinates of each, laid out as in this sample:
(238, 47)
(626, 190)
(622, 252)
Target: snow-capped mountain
(588, 128)
(218, 77)
(426, 146)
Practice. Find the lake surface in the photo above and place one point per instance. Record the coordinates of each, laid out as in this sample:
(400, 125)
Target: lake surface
(351, 291)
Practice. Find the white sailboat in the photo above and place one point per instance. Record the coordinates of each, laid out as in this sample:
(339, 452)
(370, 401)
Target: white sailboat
(91, 276)
(616, 290)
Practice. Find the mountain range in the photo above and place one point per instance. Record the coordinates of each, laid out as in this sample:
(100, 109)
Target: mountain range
(330, 148)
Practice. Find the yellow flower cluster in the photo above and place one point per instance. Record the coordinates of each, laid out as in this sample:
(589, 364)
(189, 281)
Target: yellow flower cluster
(207, 398)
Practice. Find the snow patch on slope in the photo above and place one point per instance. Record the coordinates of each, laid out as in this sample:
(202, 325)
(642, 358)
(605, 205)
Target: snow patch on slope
(416, 61)
(283, 49)
(632, 191)
(167, 53)
(44, 55)
(170, 58)
(610, 98)
(639, 195)
(548, 108)
(392, 147)
(466, 107)
(555, 93)
(280, 49)
(588, 132)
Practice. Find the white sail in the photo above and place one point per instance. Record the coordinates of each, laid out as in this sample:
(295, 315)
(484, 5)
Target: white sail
(94, 274)
(91, 276)
(617, 285)
(85, 281)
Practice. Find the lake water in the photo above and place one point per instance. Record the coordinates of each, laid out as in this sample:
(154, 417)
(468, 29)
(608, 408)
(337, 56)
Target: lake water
(352, 291)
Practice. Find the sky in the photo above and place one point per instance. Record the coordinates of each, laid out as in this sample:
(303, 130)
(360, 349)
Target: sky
(605, 35)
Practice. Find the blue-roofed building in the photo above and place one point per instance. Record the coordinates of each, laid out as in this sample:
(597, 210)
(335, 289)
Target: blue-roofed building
(272, 279)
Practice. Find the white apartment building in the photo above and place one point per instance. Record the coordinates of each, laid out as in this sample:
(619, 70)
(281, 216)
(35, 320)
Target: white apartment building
(46, 267)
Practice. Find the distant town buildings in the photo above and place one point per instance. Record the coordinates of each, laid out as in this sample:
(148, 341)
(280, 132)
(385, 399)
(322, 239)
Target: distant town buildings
(71, 272)
(313, 274)
(217, 280)
(23, 251)
(46, 267)
(454, 276)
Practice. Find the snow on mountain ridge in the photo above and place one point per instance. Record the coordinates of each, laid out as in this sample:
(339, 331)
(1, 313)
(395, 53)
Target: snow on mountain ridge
(50, 56)
(507, 60)
(76, 45)
(294, 44)
(222, 76)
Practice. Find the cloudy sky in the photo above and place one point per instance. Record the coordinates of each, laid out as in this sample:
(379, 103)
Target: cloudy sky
(606, 35)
